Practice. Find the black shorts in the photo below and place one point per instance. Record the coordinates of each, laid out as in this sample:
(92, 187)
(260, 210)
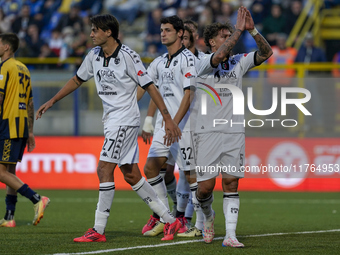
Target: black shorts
(12, 150)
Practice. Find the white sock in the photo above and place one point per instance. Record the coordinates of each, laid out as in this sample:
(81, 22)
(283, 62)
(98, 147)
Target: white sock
(231, 205)
(158, 185)
(197, 207)
(189, 210)
(149, 196)
(171, 189)
(206, 207)
(106, 194)
(183, 191)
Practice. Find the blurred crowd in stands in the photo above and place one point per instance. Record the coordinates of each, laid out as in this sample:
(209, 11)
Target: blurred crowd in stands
(61, 28)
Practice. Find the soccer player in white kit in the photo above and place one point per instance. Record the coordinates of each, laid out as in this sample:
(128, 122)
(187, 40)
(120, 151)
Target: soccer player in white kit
(223, 145)
(174, 73)
(118, 71)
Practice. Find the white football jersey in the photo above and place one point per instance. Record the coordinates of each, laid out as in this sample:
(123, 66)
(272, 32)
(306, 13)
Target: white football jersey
(229, 72)
(116, 79)
(173, 76)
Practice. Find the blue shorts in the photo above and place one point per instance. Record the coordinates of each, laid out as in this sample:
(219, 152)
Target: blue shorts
(12, 150)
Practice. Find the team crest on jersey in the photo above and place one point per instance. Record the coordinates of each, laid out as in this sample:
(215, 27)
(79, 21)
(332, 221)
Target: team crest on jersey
(175, 62)
(98, 58)
(233, 62)
(117, 60)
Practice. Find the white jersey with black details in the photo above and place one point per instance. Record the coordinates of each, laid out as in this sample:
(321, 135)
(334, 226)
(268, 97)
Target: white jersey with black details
(173, 76)
(116, 79)
(219, 101)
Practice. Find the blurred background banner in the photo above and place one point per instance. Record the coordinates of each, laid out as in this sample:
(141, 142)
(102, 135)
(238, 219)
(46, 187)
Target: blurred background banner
(271, 164)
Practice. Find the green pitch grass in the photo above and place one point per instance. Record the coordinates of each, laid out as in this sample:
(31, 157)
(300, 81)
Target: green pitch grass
(71, 213)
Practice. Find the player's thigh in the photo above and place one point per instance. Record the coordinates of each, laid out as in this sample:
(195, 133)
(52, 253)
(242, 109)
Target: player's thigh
(232, 159)
(120, 145)
(184, 152)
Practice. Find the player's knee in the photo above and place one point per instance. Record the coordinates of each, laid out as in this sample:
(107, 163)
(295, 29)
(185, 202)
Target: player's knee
(204, 191)
(230, 185)
(130, 178)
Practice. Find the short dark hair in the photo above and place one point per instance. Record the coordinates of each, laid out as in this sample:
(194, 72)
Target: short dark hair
(106, 22)
(191, 22)
(175, 21)
(212, 31)
(11, 39)
(191, 37)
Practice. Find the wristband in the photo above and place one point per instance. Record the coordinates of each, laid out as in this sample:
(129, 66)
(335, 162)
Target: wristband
(253, 32)
(148, 127)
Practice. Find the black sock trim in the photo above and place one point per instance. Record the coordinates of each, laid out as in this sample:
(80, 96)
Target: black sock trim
(107, 188)
(231, 196)
(158, 180)
(204, 199)
(155, 215)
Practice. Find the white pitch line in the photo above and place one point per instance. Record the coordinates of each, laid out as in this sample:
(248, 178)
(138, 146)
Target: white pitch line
(194, 241)
(243, 201)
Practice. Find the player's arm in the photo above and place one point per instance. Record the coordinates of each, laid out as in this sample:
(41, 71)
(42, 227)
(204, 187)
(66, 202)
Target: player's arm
(1, 99)
(30, 113)
(140, 93)
(265, 51)
(148, 127)
(68, 88)
(184, 106)
(173, 133)
(229, 44)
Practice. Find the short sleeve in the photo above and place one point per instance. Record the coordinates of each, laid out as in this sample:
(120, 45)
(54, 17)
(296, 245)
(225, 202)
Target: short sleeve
(204, 65)
(3, 78)
(137, 71)
(247, 61)
(85, 71)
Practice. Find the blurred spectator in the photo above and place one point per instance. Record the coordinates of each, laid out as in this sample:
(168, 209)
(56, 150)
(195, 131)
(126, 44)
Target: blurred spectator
(292, 15)
(35, 6)
(206, 18)
(227, 13)
(21, 23)
(5, 22)
(332, 3)
(92, 7)
(33, 40)
(153, 35)
(309, 53)
(259, 10)
(182, 13)
(169, 7)
(281, 55)
(274, 24)
(215, 6)
(151, 52)
(23, 50)
(11, 7)
(46, 52)
(48, 9)
(72, 19)
(57, 44)
(124, 9)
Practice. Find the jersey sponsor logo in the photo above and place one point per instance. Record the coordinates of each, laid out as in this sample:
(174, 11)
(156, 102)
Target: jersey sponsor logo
(189, 75)
(141, 73)
(167, 76)
(22, 106)
(22, 95)
(224, 75)
(107, 93)
(106, 76)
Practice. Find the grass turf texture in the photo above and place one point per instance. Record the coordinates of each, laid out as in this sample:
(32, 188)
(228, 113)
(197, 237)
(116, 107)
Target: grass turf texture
(71, 213)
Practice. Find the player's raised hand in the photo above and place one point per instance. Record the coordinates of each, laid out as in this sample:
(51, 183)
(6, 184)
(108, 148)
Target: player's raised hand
(249, 21)
(241, 19)
(42, 109)
(172, 132)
